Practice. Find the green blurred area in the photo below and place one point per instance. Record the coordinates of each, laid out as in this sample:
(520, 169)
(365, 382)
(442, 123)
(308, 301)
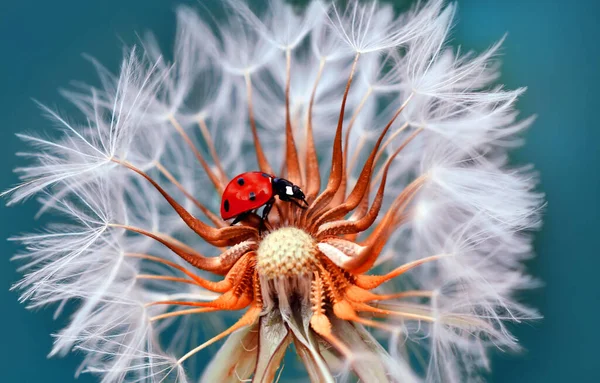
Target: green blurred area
(552, 47)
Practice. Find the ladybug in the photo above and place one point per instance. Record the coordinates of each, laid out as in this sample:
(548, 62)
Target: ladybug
(249, 191)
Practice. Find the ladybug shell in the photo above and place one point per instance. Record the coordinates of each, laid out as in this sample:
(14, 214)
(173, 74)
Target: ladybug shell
(245, 192)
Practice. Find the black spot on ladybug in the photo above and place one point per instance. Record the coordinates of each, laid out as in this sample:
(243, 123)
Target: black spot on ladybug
(265, 175)
(226, 205)
(240, 181)
(252, 196)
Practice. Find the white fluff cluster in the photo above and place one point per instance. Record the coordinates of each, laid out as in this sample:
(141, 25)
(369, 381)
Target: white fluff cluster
(473, 205)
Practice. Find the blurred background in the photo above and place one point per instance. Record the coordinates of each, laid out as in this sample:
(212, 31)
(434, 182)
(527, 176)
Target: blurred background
(552, 47)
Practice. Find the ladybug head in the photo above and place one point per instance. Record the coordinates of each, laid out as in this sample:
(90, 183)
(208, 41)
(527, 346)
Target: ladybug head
(298, 194)
(286, 191)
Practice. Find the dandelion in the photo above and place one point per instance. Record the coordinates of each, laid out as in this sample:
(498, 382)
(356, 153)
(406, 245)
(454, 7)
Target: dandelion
(406, 263)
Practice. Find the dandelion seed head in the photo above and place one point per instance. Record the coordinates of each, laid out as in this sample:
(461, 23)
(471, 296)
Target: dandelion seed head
(405, 263)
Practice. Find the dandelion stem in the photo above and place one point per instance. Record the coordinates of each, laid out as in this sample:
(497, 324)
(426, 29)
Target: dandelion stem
(372, 281)
(211, 147)
(221, 286)
(384, 169)
(341, 193)
(184, 312)
(368, 308)
(166, 278)
(407, 294)
(362, 139)
(378, 238)
(355, 154)
(263, 163)
(291, 153)
(313, 176)
(335, 175)
(247, 319)
(214, 179)
(354, 116)
(210, 215)
(216, 237)
(213, 264)
(388, 142)
(178, 303)
(361, 188)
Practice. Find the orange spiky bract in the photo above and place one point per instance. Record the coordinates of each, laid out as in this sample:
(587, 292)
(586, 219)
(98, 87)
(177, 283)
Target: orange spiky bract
(313, 247)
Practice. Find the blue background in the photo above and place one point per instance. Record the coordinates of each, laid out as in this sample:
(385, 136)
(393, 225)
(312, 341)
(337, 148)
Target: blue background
(552, 47)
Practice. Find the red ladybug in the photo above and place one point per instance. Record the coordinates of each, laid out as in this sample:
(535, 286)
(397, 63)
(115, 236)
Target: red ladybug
(251, 190)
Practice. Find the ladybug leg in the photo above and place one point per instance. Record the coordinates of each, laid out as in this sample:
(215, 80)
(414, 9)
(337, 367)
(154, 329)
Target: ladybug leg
(298, 203)
(239, 218)
(267, 209)
(265, 215)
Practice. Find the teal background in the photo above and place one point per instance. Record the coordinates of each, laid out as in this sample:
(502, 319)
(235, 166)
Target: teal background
(552, 47)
